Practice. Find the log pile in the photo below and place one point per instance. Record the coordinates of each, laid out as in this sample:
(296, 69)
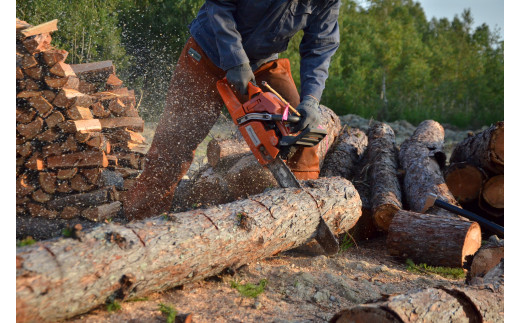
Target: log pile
(77, 132)
(476, 173)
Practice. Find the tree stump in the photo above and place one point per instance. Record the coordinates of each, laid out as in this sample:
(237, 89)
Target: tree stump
(437, 240)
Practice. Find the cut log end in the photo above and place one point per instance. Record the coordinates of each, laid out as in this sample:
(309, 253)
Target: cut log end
(493, 191)
(464, 181)
(497, 144)
(384, 214)
(472, 242)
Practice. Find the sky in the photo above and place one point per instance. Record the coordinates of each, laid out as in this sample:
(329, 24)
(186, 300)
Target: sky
(490, 12)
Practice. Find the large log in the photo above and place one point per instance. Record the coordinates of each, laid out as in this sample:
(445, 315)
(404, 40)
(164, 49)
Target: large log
(219, 149)
(436, 240)
(422, 158)
(430, 305)
(485, 149)
(238, 176)
(345, 155)
(382, 173)
(493, 191)
(58, 279)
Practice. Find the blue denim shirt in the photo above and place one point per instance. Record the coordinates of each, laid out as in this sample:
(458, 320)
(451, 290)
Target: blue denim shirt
(235, 32)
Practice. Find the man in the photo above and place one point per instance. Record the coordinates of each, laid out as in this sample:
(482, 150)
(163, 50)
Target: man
(238, 40)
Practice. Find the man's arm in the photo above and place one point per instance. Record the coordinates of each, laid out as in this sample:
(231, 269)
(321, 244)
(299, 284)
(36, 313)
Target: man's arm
(229, 41)
(319, 43)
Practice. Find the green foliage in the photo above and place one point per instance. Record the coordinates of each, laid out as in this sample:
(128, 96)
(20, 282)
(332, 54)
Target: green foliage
(346, 243)
(169, 311)
(392, 62)
(250, 290)
(113, 306)
(67, 232)
(25, 242)
(453, 273)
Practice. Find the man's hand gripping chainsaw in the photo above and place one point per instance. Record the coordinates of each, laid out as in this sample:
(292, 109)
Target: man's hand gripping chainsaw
(265, 124)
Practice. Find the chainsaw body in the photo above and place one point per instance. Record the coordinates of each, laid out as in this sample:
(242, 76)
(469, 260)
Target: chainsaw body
(261, 123)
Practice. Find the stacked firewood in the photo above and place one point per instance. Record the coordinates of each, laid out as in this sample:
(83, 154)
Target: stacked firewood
(77, 132)
(475, 175)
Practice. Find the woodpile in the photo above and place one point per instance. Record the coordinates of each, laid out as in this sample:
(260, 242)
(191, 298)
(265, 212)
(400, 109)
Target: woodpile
(476, 173)
(77, 132)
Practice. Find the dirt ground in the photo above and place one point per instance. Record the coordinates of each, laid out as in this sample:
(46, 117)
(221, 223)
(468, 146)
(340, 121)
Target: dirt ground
(302, 284)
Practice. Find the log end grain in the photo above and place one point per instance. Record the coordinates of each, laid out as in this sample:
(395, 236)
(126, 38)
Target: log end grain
(384, 214)
(464, 181)
(493, 191)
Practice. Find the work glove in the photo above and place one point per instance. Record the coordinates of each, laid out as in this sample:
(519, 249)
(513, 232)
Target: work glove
(239, 76)
(310, 116)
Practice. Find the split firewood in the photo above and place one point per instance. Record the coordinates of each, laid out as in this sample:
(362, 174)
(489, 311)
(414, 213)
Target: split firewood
(25, 115)
(464, 181)
(99, 110)
(346, 153)
(69, 145)
(132, 123)
(124, 135)
(25, 150)
(79, 113)
(40, 196)
(117, 107)
(53, 56)
(49, 95)
(98, 141)
(28, 94)
(47, 182)
(38, 210)
(485, 150)
(19, 74)
(54, 118)
(430, 305)
(30, 130)
(63, 187)
(102, 212)
(94, 72)
(32, 85)
(69, 82)
(422, 158)
(36, 73)
(38, 43)
(67, 173)
(29, 61)
(74, 126)
(46, 27)
(113, 82)
(62, 69)
(382, 169)
(437, 240)
(23, 186)
(193, 241)
(128, 159)
(219, 149)
(86, 87)
(493, 191)
(80, 184)
(52, 149)
(80, 159)
(68, 97)
(35, 162)
(40, 104)
(127, 172)
(70, 212)
(92, 175)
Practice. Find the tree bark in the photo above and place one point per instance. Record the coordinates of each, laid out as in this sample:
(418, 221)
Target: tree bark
(58, 279)
(436, 240)
(464, 181)
(382, 173)
(345, 155)
(430, 305)
(238, 176)
(485, 149)
(422, 158)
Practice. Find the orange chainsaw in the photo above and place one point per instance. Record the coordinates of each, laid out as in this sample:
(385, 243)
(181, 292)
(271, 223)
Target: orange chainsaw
(266, 126)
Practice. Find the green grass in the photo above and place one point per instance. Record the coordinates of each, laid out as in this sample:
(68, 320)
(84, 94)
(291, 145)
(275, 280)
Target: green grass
(66, 232)
(113, 306)
(169, 311)
(346, 243)
(25, 242)
(447, 272)
(250, 290)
